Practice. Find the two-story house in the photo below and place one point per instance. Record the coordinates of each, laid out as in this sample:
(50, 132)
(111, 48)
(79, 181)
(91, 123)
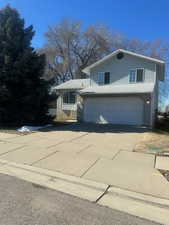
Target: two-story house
(122, 89)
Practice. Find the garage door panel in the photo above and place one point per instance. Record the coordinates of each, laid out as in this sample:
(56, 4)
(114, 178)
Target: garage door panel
(119, 110)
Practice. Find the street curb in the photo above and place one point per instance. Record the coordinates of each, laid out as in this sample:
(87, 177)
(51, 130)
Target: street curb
(76, 186)
(136, 208)
(136, 204)
(152, 200)
(109, 189)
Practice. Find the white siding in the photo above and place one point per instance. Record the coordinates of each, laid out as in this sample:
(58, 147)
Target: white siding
(119, 69)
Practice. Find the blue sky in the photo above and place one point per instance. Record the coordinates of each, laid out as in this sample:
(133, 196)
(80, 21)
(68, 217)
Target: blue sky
(144, 19)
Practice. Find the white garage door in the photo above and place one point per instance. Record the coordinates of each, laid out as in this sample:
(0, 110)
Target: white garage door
(115, 110)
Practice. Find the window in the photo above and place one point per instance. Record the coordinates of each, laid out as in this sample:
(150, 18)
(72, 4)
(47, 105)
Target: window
(140, 73)
(69, 98)
(132, 77)
(107, 78)
(136, 75)
(103, 78)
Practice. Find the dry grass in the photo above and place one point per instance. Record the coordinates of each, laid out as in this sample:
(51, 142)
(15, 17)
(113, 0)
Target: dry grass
(154, 142)
(157, 141)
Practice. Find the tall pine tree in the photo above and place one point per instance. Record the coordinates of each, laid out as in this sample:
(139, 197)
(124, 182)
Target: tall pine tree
(24, 95)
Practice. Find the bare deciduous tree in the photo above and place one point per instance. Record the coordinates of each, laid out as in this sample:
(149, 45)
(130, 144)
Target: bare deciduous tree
(70, 48)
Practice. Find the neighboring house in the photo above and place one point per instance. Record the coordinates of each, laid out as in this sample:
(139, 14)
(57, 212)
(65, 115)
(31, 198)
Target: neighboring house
(122, 89)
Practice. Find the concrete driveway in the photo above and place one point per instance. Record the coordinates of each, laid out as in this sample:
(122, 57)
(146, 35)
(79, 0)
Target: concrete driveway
(81, 142)
(103, 153)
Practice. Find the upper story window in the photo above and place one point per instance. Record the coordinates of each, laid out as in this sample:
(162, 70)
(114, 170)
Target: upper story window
(107, 78)
(103, 78)
(136, 75)
(69, 98)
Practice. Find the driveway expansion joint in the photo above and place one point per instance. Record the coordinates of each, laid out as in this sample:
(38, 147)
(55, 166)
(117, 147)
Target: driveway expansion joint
(59, 143)
(90, 167)
(76, 138)
(13, 150)
(116, 154)
(83, 149)
(44, 158)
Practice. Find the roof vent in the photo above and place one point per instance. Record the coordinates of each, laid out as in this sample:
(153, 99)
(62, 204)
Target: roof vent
(120, 55)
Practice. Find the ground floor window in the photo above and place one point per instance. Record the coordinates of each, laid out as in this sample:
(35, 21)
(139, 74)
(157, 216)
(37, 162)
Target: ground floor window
(69, 97)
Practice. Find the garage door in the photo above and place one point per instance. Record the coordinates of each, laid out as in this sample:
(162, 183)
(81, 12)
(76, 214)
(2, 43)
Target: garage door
(115, 110)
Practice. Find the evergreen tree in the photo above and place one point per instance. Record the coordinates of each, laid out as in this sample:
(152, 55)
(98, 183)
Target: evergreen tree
(24, 95)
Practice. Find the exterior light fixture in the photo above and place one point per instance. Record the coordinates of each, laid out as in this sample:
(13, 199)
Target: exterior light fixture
(148, 102)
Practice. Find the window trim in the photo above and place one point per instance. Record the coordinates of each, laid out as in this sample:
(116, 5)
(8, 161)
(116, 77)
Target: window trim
(68, 92)
(135, 69)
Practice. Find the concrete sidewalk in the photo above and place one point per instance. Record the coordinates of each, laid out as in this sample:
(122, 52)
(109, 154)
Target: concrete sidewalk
(103, 155)
(131, 171)
(144, 206)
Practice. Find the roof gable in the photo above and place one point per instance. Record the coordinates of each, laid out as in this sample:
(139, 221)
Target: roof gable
(157, 61)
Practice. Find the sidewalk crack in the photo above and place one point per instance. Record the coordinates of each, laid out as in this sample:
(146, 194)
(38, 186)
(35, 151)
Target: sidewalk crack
(104, 193)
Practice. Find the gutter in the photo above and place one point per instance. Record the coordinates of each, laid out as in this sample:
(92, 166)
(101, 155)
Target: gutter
(104, 93)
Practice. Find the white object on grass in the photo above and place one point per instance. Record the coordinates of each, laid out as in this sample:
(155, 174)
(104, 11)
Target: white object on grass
(32, 128)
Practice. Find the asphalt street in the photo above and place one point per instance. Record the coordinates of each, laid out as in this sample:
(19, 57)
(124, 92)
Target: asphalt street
(23, 203)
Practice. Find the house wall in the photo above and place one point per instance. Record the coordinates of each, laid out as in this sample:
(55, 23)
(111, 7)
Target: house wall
(119, 74)
(65, 111)
(119, 69)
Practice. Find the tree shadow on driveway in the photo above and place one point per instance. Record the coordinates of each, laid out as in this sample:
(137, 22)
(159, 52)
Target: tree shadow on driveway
(95, 128)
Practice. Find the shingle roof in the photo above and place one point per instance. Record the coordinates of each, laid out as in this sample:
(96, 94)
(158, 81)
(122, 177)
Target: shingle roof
(119, 89)
(73, 84)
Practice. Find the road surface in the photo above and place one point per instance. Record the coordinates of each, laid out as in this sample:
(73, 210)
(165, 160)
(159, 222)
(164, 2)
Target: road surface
(23, 203)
